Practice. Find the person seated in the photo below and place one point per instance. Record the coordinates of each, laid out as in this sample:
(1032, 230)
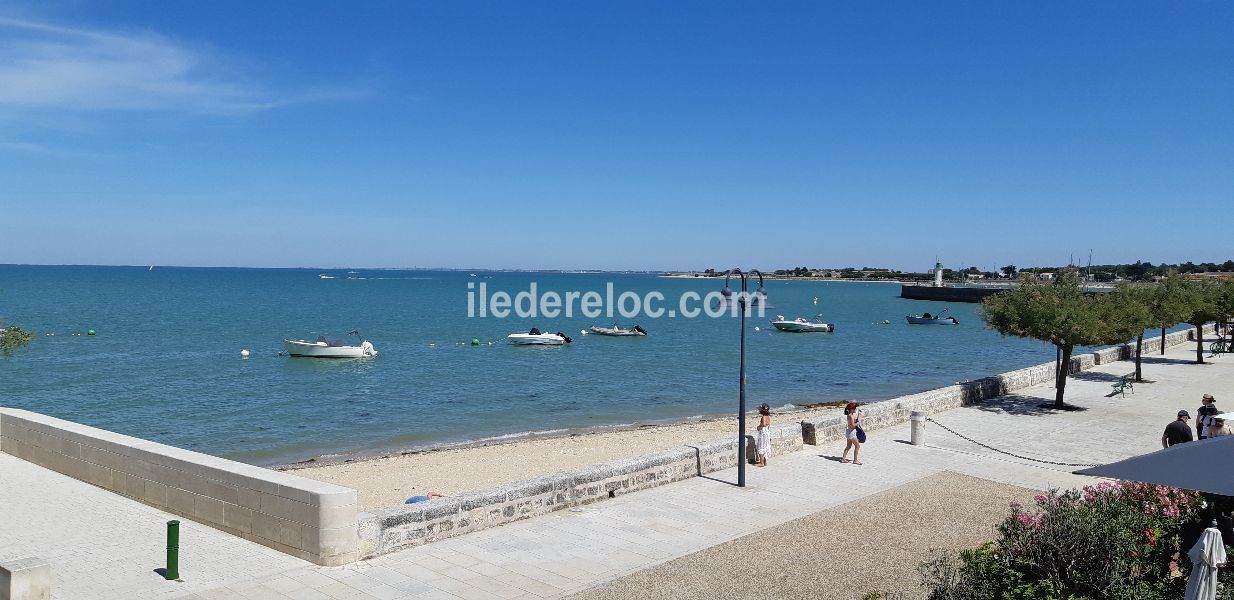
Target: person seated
(1219, 427)
(534, 331)
(425, 498)
(926, 316)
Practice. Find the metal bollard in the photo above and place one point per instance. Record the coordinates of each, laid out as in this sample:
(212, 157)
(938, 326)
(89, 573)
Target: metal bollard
(173, 551)
(918, 420)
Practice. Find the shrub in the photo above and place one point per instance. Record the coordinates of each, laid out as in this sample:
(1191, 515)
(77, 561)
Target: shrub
(1118, 541)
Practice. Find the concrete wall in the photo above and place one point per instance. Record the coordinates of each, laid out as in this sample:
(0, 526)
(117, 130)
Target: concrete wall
(305, 518)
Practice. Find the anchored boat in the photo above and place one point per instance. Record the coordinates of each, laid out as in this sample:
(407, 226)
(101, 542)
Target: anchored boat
(928, 319)
(325, 348)
(616, 331)
(536, 338)
(801, 325)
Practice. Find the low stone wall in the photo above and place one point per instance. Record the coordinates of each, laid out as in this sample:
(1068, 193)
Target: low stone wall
(308, 519)
(390, 529)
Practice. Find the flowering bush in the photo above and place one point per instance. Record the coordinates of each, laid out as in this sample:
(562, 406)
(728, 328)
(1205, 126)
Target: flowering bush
(1111, 540)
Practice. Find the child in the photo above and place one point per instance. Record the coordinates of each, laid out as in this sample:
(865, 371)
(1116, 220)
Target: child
(764, 434)
(853, 414)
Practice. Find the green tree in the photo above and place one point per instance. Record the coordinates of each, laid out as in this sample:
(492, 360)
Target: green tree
(1058, 312)
(1126, 315)
(1202, 301)
(12, 338)
(1167, 304)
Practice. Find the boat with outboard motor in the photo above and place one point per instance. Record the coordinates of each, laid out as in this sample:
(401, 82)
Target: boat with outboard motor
(928, 319)
(537, 338)
(617, 331)
(326, 348)
(801, 325)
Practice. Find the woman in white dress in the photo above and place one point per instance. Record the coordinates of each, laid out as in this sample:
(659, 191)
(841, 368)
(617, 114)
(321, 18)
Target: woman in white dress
(853, 413)
(764, 434)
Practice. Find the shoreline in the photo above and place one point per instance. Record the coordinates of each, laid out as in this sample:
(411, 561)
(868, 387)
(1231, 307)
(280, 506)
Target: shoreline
(387, 479)
(787, 278)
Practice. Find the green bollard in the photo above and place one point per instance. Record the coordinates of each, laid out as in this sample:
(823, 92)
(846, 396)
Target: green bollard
(173, 551)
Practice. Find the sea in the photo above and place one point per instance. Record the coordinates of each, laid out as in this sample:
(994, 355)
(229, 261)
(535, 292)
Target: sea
(164, 362)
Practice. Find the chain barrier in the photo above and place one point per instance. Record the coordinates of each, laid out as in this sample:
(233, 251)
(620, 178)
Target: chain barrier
(989, 447)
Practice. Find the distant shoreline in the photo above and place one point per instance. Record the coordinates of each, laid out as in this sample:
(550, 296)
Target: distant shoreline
(789, 278)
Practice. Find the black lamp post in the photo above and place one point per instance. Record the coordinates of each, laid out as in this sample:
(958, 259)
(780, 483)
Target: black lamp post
(760, 298)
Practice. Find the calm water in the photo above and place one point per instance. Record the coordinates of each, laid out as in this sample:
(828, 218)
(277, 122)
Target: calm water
(165, 363)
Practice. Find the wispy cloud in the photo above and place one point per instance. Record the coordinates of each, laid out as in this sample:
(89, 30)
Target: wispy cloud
(47, 150)
(48, 66)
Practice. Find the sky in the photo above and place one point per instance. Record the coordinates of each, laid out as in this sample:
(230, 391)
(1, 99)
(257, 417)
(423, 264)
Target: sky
(615, 135)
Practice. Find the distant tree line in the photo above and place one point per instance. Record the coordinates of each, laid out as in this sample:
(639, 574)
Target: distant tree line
(1138, 271)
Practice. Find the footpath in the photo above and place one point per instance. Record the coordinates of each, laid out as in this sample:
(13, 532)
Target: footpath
(103, 546)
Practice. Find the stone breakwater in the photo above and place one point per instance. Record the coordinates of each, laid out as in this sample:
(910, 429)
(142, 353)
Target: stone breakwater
(391, 529)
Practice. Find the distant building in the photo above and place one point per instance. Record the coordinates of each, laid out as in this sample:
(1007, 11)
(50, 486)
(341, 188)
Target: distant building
(973, 276)
(1045, 276)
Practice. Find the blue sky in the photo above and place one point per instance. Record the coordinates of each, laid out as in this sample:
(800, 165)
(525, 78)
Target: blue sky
(615, 135)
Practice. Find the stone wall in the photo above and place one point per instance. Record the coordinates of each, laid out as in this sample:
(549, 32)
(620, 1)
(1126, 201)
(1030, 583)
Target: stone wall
(390, 529)
(308, 519)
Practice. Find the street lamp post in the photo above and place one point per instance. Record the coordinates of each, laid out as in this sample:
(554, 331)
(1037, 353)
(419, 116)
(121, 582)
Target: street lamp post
(760, 298)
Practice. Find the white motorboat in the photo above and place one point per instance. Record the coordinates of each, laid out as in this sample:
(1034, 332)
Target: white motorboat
(801, 325)
(536, 338)
(928, 319)
(324, 348)
(616, 331)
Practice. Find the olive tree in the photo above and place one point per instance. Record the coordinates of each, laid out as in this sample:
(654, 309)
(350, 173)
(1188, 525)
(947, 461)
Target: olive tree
(1127, 315)
(1202, 301)
(1168, 304)
(1058, 312)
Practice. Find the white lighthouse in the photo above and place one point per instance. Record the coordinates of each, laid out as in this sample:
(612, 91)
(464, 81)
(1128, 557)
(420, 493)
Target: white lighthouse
(938, 274)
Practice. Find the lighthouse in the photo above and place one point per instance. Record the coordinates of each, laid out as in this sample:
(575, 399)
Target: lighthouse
(938, 274)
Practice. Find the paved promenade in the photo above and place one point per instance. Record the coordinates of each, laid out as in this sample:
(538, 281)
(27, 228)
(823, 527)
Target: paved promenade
(103, 546)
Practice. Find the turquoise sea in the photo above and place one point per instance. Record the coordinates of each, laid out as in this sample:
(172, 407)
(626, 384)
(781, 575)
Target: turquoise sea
(165, 363)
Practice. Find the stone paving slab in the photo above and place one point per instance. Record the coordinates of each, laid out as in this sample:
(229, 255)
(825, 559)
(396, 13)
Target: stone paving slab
(569, 551)
(101, 545)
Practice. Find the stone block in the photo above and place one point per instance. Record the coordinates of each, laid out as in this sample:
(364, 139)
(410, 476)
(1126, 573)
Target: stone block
(329, 542)
(283, 531)
(286, 508)
(208, 510)
(25, 579)
(238, 518)
(180, 501)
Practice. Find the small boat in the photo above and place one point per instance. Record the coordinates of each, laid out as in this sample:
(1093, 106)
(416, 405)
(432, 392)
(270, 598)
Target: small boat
(617, 331)
(536, 338)
(800, 325)
(324, 348)
(928, 319)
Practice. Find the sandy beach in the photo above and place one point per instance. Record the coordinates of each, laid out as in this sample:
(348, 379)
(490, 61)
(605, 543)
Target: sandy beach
(390, 479)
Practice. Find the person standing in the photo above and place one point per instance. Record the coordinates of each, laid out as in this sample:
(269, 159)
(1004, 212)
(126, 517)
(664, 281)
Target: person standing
(764, 434)
(1204, 416)
(852, 412)
(1177, 431)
